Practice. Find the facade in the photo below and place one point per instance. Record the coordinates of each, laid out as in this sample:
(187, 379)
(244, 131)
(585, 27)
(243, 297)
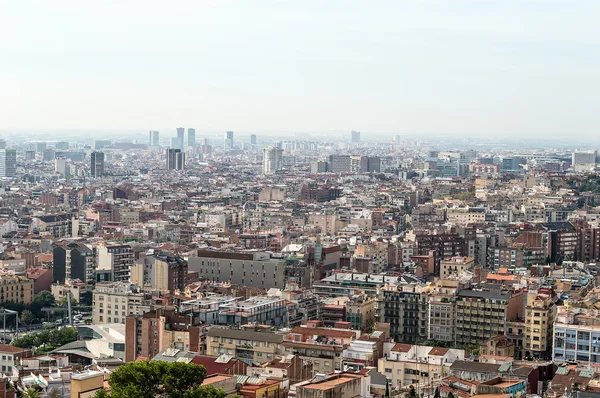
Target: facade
(112, 302)
(179, 139)
(153, 139)
(148, 334)
(97, 164)
(255, 310)
(405, 309)
(228, 140)
(16, 288)
(361, 312)
(8, 163)
(191, 137)
(455, 266)
(175, 159)
(246, 343)
(272, 160)
(539, 317)
(160, 272)
(116, 260)
(576, 336)
(481, 315)
(240, 268)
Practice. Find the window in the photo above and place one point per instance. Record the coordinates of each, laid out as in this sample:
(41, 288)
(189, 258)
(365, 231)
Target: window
(388, 370)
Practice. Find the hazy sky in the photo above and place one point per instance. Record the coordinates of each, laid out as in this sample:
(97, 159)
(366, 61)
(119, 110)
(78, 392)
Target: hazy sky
(382, 67)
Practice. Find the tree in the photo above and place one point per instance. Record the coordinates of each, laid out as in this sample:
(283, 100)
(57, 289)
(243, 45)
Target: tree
(450, 395)
(411, 392)
(26, 317)
(436, 394)
(54, 393)
(67, 335)
(32, 393)
(149, 379)
(64, 301)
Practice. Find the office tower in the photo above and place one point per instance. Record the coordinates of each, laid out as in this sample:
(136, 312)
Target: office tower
(229, 140)
(370, 164)
(253, 139)
(272, 160)
(40, 146)
(180, 134)
(8, 163)
(62, 145)
(355, 136)
(153, 138)
(175, 159)
(61, 167)
(29, 155)
(48, 155)
(2, 144)
(174, 143)
(191, 137)
(97, 164)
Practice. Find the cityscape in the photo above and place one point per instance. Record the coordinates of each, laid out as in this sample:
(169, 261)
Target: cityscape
(286, 267)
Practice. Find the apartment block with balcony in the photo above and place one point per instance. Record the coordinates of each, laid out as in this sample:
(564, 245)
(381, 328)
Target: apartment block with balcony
(256, 310)
(244, 343)
(405, 308)
(18, 289)
(117, 260)
(323, 347)
(112, 302)
(482, 314)
(539, 317)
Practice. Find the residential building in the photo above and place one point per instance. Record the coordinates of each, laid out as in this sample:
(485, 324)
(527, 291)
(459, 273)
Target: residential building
(576, 335)
(405, 308)
(323, 347)
(255, 310)
(160, 329)
(455, 266)
(404, 364)
(112, 302)
(361, 312)
(160, 272)
(117, 260)
(87, 383)
(10, 356)
(247, 343)
(499, 346)
(539, 317)
(18, 289)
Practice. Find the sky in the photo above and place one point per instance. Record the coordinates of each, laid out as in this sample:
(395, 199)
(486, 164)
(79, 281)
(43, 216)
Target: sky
(452, 67)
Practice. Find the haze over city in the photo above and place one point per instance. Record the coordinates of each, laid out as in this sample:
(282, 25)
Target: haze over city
(436, 68)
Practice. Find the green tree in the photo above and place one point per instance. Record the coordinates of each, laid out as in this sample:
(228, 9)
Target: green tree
(436, 394)
(411, 392)
(149, 379)
(54, 393)
(26, 317)
(32, 393)
(67, 335)
(450, 395)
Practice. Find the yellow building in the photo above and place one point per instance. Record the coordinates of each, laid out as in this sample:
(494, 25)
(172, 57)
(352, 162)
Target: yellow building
(85, 384)
(539, 317)
(455, 266)
(16, 288)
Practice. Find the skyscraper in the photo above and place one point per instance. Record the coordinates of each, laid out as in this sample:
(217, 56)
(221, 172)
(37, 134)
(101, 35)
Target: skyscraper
(153, 138)
(191, 137)
(355, 136)
(253, 139)
(180, 134)
(229, 140)
(272, 160)
(175, 159)
(97, 164)
(62, 167)
(8, 163)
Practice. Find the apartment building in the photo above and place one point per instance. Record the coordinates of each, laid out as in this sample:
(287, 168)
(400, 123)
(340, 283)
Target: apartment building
(405, 309)
(160, 272)
(163, 328)
(117, 260)
(245, 343)
(323, 347)
(405, 364)
(361, 312)
(256, 310)
(482, 314)
(112, 302)
(18, 289)
(539, 317)
(589, 244)
(455, 266)
(576, 335)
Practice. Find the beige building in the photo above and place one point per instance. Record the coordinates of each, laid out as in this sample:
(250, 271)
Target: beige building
(113, 301)
(463, 216)
(361, 312)
(455, 266)
(85, 384)
(243, 343)
(16, 288)
(539, 317)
